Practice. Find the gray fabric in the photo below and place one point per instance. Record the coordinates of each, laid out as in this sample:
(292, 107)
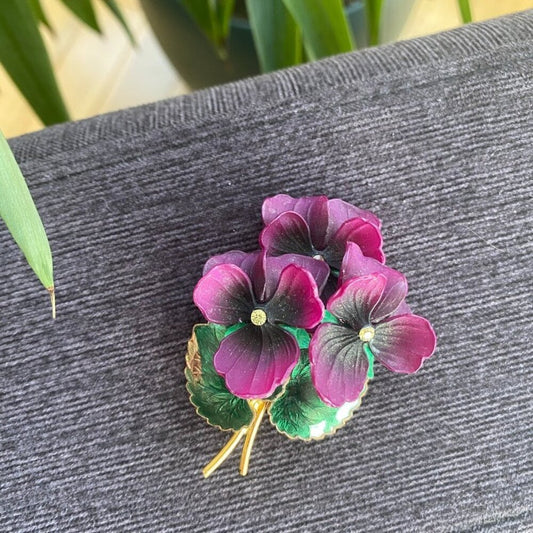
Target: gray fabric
(434, 135)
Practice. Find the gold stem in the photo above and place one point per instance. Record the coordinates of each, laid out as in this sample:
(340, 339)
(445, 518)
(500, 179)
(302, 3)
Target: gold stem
(223, 454)
(259, 408)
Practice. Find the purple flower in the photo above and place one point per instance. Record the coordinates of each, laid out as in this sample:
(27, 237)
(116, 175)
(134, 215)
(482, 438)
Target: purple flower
(317, 227)
(261, 294)
(366, 308)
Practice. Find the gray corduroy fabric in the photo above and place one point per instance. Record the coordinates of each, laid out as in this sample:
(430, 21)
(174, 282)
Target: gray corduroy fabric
(434, 135)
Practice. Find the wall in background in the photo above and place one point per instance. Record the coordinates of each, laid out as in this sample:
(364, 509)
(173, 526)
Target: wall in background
(101, 73)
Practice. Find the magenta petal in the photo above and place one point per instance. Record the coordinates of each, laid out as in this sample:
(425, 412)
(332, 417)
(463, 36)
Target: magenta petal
(340, 211)
(355, 264)
(317, 219)
(319, 270)
(255, 360)
(296, 301)
(401, 343)
(287, 234)
(224, 295)
(354, 302)
(235, 257)
(357, 230)
(281, 203)
(339, 365)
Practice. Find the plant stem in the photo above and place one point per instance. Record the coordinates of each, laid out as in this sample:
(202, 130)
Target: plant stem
(224, 453)
(259, 408)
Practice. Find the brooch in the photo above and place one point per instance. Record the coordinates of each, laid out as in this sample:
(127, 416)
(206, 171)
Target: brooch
(293, 329)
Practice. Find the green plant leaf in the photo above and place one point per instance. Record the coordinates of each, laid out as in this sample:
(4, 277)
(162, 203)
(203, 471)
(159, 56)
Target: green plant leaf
(39, 13)
(213, 17)
(84, 10)
(329, 317)
(324, 26)
(115, 9)
(299, 413)
(466, 12)
(24, 56)
(373, 19)
(21, 217)
(277, 38)
(213, 401)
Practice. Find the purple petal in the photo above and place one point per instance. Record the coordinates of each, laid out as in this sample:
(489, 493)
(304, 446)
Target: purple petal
(281, 203)
(224, 295)
(255, 360)
(340, 211)
(401, 343)
(354, 302)
(364, 234)
(355, 264)
(317, 219)
(287, 234)
(339, 365)
(318, 269)
(235, 257)
(296, 301)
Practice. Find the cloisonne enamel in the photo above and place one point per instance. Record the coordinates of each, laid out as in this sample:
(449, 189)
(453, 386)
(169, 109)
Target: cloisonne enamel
(275, 344)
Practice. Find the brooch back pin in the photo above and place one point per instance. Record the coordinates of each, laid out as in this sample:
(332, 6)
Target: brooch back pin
(293, 329)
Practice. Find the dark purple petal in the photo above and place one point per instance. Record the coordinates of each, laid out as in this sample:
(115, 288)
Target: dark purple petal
(224, 295)
(254, 360)
(287, 234)
(355, 264)
(318, 269)
(356, 230)
(340, 211)
(401, 343)
(296, 301)
(235, 257)
(354, 302)
(339, 365)
(317, 219)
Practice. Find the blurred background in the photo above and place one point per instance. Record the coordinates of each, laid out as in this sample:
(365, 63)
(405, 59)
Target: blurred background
(101, 71)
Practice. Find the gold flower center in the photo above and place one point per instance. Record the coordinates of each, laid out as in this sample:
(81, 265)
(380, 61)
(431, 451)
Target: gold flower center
(319, 257)
(367, 333)
(258, 317)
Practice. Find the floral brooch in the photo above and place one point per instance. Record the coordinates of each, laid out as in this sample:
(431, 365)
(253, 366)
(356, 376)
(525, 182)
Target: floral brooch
(293, 329)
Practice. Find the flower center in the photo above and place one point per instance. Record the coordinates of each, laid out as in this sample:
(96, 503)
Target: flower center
(319, 257)
(367, 333)
(258, 317)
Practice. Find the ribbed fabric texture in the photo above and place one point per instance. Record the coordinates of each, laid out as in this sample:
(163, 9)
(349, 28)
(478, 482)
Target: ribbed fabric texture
(433, 135)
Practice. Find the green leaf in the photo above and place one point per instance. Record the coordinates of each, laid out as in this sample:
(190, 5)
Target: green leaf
(277, 38)
(84, 10)
(373, 19)
(24, 56)
(213, 17)
(213, 401)
(21, 217)
(324, 26)
(329, 317)
(299, 413)
(370, 357)
(115, 9)
(39, 13)
(466, 12)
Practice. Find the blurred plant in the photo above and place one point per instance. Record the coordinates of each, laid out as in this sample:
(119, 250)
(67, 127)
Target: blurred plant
(24, 56)
(289, 32)
(22, 219)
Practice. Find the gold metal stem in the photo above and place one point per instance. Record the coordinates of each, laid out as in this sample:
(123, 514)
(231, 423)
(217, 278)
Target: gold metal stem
(223, 454)
(259, 407)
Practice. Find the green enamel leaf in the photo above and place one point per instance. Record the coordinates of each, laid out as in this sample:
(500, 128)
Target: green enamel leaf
(300, 414)
(21, 217)
(213, 401)
(329, 317)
